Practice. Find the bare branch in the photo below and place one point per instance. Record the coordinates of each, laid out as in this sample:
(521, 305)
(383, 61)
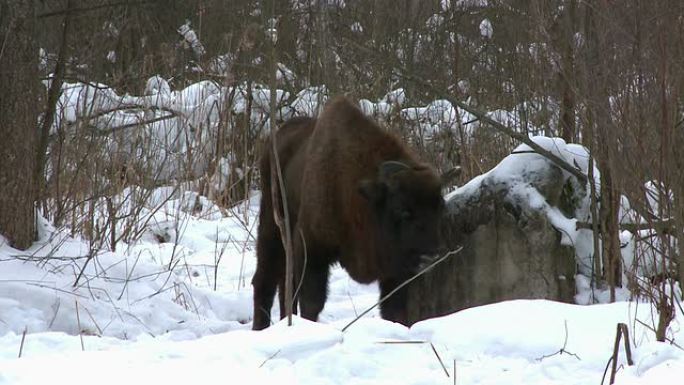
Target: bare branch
(664, 227)
(75, 10)
(482, 116)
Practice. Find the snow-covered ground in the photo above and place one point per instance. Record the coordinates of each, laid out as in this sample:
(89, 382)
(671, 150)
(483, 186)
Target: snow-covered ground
(176, 305)
(141, 321)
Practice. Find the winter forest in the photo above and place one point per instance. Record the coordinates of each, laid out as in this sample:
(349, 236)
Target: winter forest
(131, 191)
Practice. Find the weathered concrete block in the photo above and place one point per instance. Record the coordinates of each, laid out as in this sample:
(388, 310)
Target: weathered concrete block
(510, 248)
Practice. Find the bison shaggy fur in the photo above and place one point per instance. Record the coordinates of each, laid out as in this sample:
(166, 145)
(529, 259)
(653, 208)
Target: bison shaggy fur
(358, 196)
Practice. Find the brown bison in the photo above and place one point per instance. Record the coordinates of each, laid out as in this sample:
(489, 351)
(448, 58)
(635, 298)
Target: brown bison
(356, 196)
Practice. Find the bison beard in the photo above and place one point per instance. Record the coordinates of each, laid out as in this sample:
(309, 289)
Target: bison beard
(357, 196)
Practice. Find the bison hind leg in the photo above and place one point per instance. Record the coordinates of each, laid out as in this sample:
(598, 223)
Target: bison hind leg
(394, 307)
(269, 273)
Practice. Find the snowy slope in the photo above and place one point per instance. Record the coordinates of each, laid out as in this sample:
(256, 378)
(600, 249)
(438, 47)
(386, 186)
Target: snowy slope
(509, 343)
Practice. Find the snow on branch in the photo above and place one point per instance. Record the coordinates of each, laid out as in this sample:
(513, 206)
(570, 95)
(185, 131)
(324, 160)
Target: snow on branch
(191, 40)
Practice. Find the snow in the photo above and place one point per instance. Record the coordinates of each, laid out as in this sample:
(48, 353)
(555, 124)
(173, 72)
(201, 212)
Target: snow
(174, 302)
(465, 4)
(435, 21)
(140, 319)
(511, 342)
(486, 28)
(445, 5)
(310, 101)
(190, 39)
(356, 27)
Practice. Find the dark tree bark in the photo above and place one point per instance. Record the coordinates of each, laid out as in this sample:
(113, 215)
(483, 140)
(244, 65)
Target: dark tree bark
(20, 87)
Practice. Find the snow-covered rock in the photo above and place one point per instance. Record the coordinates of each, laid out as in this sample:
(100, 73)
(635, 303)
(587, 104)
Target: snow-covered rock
(516, 224)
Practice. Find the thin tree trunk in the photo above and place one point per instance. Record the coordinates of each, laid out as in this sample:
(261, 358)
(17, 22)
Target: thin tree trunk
(610, 205)
(52, 98)
(604, 143)
(564, 36)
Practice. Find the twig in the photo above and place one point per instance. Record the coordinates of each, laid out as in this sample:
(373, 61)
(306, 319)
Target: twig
(420, 342)
(651, 328)
(621, 330)
(383, 299)
(439, 359)
(94, 322)
(54, 317)
(56, 289)
(23, 338)
(605, 371)
(218, 256)
(628, 347)
(128, 276)
(269, 358)
(91, 255)
(616, 351)
(301, 280)
(562, 350)
(278, 184)
(112, 130)
(78, 322)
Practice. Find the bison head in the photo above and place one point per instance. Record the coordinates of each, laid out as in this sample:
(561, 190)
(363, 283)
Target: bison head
(406, 204)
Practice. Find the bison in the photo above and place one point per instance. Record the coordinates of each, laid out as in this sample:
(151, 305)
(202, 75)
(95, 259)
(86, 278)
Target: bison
(358, 196)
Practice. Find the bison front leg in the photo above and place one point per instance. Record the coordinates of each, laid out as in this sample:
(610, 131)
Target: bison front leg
(394, 307)
(313, 261)
(314, 291)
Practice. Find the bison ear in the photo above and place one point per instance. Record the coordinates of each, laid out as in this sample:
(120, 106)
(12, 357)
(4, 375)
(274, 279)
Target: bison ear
(372, 190)
(389, 168)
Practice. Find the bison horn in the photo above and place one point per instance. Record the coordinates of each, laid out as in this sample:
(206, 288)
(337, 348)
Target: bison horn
(391, 167)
